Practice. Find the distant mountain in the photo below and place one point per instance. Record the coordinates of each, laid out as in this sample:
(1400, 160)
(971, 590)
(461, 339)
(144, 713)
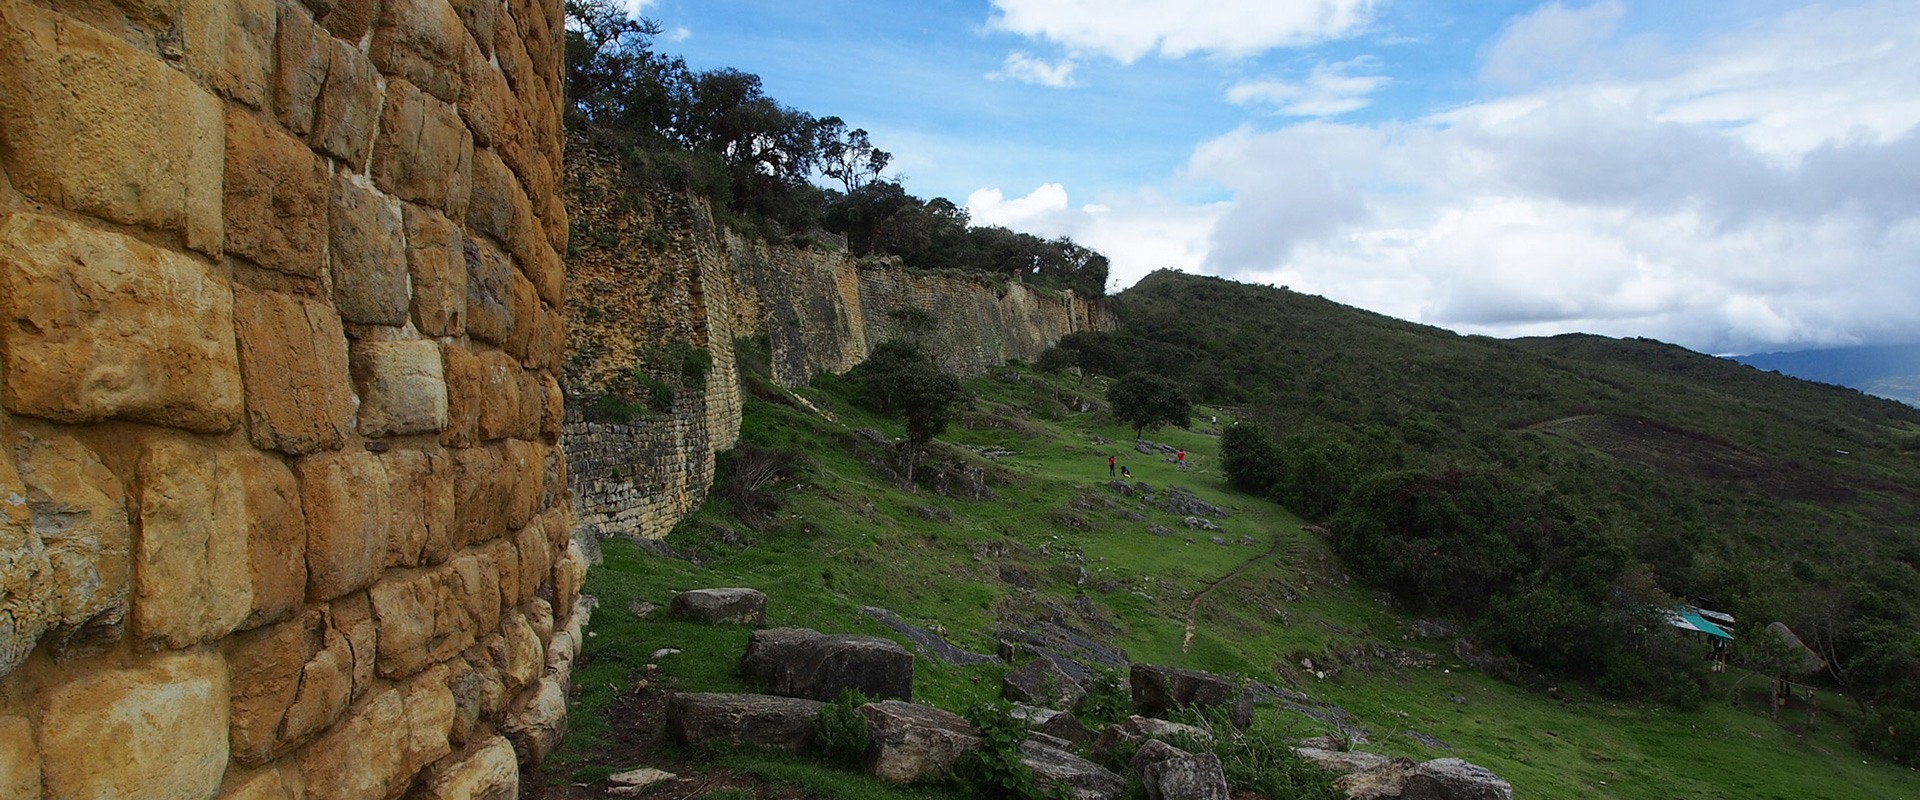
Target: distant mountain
(1891, 371)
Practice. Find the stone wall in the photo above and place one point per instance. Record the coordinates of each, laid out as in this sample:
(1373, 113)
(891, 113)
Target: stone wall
(648, 269)
(283, 512)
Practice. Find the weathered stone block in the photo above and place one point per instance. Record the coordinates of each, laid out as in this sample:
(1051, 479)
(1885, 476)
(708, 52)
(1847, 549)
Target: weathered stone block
(484, 95)
(302, 51)
(377, 749)
(98, 127)
(423, 153)
(192, 534)
(465, 377)
(490, 292)
(290, 682)
(913, 743)
(526, 315)
(19, 759)
(734, 606)
(266, 784)
(569, 574)
(367, 254)
(751, 720)
(797, 662)
(101, 325)
(538, 722)
(481, 496)
(79, 517)
(497, 207)
(437, 264)
(499, 395)
(293, 356)
(421, 485)
(348, 19)
(165, 721)
(428, 617)
(346, 500)
(402, 388)
(421, 41)
(25, 593)
(523, 658)
(230, 42)
(348, 113)
(481, 17)
(277, 544)
(276, 198)
(1043, 683)
(488, 770)
(523, 478)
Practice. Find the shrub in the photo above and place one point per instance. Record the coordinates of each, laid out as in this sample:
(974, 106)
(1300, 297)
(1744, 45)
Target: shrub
(1260, 758)
(1107, 700)
(995, 769)
(659, 393)
(841, 731)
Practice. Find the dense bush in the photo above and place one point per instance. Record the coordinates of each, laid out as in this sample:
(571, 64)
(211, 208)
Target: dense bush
(840, 731)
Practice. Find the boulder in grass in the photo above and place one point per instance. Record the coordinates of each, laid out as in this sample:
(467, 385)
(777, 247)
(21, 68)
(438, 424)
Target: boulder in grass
(1153, 752)
(1453, 779)
(1043, 683)
(1193, 777)
(1136, 727)
(742, 720)
(1342, 762)
(734, 606)
(1061, 724)
(913, 743)
(1055, 769)
(798, 662)
(1157, 689)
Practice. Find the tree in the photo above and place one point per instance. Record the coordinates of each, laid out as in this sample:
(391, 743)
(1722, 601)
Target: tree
(848, 156)
(1148, 401)
(901, 378)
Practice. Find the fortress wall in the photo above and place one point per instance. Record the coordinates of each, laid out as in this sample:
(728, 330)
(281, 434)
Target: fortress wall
(283, 512)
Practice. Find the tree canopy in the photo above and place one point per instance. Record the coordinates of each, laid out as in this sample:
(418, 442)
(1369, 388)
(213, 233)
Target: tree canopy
(1148, 401)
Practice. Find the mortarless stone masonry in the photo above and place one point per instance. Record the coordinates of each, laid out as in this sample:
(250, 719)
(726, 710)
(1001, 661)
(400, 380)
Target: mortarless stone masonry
(283, 512)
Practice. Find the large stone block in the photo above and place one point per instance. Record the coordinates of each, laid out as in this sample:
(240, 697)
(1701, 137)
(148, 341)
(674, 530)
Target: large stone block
(490, 292)
(348, 113)
(535, 555)
(437, 265)
(913, 743)
(101, 325)
(290, 682)
(163, 723)
(526, 314)
(750, 720)
(499, 396)
(266, 784)
(376, 750)
(465, 377)
(421, 485)
(293, 356)
(488, 770)
(421, 41)
(481, 495)
(19, 759)
(367, 254)
(403, 390)
(303, 50)
(423, 153)
(484, 95)
(428, 617)
(277, 546)
(192, 538)
(276, 195)
(98, 127)
(230, 44)
(498, 208)
(348, 19)
(346, 500)
(25, 593)
(79, 516)
(797, 662)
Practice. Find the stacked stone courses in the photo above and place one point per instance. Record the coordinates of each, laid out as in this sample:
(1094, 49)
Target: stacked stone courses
(283, 510)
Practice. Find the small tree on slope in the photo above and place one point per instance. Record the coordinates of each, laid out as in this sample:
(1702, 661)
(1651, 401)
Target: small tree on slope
(1148, 401)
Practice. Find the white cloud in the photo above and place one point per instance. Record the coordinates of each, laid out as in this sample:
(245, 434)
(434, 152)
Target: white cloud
(1138, 232)
(1552, 41)
(636, 8)
(1752, 194)
(1025, 68)
(1328, 91)
(679, 33)
(1129, 29)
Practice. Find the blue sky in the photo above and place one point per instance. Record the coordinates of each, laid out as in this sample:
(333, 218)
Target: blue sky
(1733, 177)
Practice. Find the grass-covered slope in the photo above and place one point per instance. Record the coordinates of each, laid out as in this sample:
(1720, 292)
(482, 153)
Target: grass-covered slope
(836, 532)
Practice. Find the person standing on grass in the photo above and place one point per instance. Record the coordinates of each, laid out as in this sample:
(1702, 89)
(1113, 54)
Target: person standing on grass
(1181, 459)
(1110, 462)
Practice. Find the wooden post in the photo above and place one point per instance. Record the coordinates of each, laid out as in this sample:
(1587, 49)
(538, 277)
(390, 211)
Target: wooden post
(1773, 700)
(1811, 708)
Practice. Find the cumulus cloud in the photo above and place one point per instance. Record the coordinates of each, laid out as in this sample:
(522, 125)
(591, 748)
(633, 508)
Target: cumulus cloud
(1552, 41)
(1328, 91)
(1025, 68)
(1754, 193)
(679, 33)
(1129, 29)
(1138, 232)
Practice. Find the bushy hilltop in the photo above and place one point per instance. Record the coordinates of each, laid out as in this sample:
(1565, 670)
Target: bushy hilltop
(1557, 491)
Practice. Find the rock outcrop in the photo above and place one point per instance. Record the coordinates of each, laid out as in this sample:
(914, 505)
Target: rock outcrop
(798, 662)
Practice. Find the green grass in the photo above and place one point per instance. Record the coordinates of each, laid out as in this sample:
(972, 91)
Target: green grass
(848, 538)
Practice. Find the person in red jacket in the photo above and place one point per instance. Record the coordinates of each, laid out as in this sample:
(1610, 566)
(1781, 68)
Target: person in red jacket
(1181, 459)
(1110, 463)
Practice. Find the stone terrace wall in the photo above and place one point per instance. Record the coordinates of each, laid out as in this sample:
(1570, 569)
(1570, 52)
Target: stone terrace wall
(648, 267)
(282, 507)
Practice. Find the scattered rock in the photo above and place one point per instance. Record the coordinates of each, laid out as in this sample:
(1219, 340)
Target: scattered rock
(1136, 727)
(735, 606)
(1220, 541)
(663, 653)
(1157, 689)
(1144, 447)
(914, 743)
(640, 778)
(1342, 762)
(929, 642)
(1458, 700)
(1433, 629)
(1043, 683)
(642, 609)
(1082, 779)
(1159, 530)
(798, 662)
(1453, 779)
(1200, 524)
(1153, 752)
(1183, 502)
(1067, 645)
(1383, 782)
(1193, 777)
(1097, 439)
(742, 720)
(1058, 724)
(1328, 742)
(937, 513)
(1131, 515)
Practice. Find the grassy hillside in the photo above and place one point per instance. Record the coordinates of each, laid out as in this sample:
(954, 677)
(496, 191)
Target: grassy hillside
(1530, 485)
(1051, 543)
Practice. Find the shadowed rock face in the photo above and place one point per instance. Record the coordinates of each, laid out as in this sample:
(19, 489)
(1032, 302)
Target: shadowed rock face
(721, 606)
(742, 720)
(1043, 683)
(1082, 779)
(913, 743)
(1157, 690)
(797, 662)
(1187, 777)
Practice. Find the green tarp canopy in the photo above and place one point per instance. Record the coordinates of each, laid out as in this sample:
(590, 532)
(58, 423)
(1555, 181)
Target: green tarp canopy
(1690, 619)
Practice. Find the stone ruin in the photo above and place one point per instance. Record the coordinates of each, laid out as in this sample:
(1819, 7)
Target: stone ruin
(283, 512)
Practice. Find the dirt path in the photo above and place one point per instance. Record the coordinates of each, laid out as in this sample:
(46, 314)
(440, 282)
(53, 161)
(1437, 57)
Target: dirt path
(1193, 608)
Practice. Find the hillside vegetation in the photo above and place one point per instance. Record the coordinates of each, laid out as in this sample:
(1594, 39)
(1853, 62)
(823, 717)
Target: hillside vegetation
(1554, 493)
(1013, 525)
